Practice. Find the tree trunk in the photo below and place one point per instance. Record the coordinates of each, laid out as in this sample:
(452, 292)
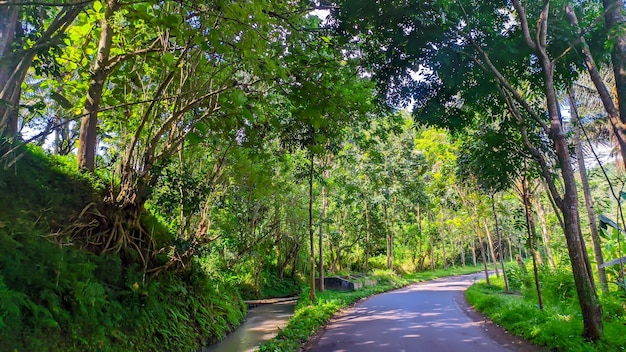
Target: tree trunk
(8, 26)
(321, 240)
(333, 256)
(9, 89)
(491, 250)
(500, 249)
(443, 241)
(388, 238)
(367, 237)
(482, 253)
(474, 251)
(545, 235)
(311, 235)
(587, 297)
(432, 253)
(294, 263)
(461, 247)
(530, 228)
(393, 232)
(88, 124)
(568, 203)
(582, 170)
(419, 218)
(614, 22)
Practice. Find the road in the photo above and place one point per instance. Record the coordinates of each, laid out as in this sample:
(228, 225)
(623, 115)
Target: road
(430, 316)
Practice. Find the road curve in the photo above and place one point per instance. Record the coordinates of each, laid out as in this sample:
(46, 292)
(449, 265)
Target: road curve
(430, 316)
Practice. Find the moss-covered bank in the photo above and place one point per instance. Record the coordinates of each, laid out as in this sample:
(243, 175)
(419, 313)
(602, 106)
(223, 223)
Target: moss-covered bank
(57, 297)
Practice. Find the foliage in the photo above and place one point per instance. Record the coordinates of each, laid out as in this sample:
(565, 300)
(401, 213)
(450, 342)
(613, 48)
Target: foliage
(557, 326)
(614, 247)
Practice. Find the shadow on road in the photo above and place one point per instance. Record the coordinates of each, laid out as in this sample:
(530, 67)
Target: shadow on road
(429, 316)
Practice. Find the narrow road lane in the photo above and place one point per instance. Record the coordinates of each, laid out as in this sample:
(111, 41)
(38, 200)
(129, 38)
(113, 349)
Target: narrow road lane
(431, 316)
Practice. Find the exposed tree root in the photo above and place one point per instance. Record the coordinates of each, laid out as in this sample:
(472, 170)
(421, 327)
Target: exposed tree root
(104, 227)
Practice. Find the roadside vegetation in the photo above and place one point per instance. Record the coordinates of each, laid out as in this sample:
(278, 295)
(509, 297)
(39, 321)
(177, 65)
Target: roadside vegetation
(555, 327)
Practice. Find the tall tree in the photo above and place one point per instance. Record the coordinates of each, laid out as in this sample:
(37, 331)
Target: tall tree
(615, 23)
(582, 170)
(99, 72)
(489, 155)
(615, 113)
(27, 30)
(326, 96)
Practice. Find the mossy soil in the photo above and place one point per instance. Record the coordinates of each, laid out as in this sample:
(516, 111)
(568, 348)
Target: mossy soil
(55, 296)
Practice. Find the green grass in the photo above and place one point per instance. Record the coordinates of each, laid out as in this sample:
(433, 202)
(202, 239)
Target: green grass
(309, 318)
(559, 326)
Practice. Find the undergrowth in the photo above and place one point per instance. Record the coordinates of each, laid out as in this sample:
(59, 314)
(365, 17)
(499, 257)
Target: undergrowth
(559, 326)
(57, 297)
(309, 318)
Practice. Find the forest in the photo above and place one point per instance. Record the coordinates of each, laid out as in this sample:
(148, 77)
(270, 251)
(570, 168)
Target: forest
(163, 160)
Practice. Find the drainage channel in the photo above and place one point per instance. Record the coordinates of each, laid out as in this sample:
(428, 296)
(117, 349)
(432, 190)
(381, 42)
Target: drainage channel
(262, 323)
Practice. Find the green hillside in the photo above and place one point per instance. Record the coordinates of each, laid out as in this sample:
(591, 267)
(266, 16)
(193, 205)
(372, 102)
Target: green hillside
(56, 296)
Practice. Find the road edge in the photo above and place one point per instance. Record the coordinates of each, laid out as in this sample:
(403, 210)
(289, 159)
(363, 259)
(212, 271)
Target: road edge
(493, 330)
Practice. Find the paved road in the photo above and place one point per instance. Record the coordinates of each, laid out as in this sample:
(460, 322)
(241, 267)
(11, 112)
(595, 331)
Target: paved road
(431, 316)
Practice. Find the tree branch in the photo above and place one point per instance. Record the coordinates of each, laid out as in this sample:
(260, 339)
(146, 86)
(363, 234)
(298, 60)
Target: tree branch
(545, 169)
(506, 84)
(122, 57)
(43, 3)
(524, 24)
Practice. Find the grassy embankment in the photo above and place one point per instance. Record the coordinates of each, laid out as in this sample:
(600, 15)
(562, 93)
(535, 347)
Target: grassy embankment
(57, 297)
(309, 318)
(559, 326)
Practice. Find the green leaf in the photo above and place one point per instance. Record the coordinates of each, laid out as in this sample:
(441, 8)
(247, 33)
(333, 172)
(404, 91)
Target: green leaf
(203, 128)
(168, 58)
(317, 122)
(248, 114)
(97, 6)
(61, 100)
(239, 97)
(603, 233)
(173, 20)
(194, 138)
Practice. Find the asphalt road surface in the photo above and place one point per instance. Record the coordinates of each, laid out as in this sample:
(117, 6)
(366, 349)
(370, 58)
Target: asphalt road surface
(430, 316)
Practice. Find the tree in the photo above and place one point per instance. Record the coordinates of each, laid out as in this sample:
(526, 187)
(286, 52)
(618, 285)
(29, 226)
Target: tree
(615, 114)
(27, 31)
(615, 21)
(489, 156)
(326, 97)
(99, 72)
(582, 170)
